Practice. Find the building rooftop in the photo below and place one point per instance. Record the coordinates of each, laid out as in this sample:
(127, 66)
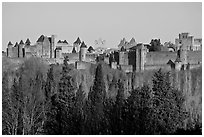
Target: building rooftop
(122, 48)
(132, 41)
(65, 42)
(10, 43)
(83, 45)
(16, 44)
(21, 42)
(78, 41)
(41, 38)
(27, 42)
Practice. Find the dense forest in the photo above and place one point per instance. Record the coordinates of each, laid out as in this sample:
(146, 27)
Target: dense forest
(44, 100)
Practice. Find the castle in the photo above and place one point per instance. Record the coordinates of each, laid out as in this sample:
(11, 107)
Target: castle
(136, 57)
(53, 52)
(131, 56)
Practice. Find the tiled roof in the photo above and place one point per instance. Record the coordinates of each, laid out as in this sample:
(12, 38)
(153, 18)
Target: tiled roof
(10, 43)
(27, 42)
(21, 42)
(83, 45)
(78, 41)
(41, 38)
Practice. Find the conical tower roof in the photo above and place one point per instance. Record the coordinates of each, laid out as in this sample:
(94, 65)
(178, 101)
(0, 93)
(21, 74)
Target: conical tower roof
(90, 49)
(122, 48)
(132, 41)
(78, 41)
(83, 45)
(65, 42)
(27, 42)
(122, 42)
(16, 44)
(10, 43)
(41, 38)
(21, 42)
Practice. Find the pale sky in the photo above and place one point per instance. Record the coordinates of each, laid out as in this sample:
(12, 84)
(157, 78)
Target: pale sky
(91, 21)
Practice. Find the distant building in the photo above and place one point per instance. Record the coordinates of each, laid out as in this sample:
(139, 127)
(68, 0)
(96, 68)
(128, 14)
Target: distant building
(65, 46)
(188, 41)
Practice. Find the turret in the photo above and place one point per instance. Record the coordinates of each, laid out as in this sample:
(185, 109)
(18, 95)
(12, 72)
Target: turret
(52, 46)
(58, 52)
(20, 49)
(178, 64)
(77, 44)
(141, 52)
(15, 50)
(122, 56)
(27, 42)
(9, 50)
(183, 56)
(143, 56)
(82, 52)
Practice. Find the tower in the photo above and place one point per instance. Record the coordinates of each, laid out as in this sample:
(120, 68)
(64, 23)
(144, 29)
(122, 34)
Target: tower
(183, 56)
(20, 49)
(141, 53)
(52, 46)
(9, 50)
(77, 44)
(122, 56)
(15, 51)
(46, 47)
(137, 59)
(82, 52)
(178, 64)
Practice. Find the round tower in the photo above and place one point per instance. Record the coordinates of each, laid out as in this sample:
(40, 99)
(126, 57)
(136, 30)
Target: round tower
(9, 50)
(143, 53)
(183, 56)
(52, 46)
(20, 49)
(122, 56)
(178, 64)
(82, 52)
(77, 44)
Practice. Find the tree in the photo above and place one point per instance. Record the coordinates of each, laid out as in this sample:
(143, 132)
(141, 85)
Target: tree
(139, 105)
(167, 110)
(97, 97)
(8, 110)
(79, 110)
(33, 106)
(155, 45)
(119, 120)
(65, 101)
(50, 84)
